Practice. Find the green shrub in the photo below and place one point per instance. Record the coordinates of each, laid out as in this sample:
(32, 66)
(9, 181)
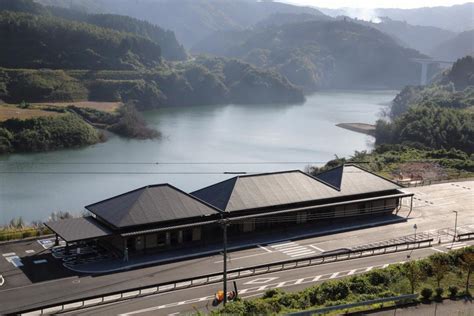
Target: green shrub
(453, 291)
(426, 293)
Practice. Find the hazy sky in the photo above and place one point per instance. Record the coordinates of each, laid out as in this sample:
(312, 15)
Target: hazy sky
(375, 3)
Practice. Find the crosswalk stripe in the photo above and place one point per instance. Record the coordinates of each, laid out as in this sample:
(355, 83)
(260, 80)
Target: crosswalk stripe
(295, 250)
(282, 244)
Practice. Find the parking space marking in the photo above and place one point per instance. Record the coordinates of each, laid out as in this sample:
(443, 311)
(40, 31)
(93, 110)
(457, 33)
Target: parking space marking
(30, 251)
(40, 261)
(15, 260)
(10, 254)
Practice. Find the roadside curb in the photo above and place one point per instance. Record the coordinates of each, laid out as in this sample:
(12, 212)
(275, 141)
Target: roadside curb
(239, 247)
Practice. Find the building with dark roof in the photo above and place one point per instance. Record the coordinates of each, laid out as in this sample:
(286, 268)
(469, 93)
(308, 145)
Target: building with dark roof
(159, 217)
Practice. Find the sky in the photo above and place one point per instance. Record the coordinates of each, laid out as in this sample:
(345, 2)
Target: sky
(404, 4)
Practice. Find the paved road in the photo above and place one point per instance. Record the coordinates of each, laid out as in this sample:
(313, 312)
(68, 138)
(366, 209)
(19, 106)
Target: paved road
(189, 300)
(31, 285)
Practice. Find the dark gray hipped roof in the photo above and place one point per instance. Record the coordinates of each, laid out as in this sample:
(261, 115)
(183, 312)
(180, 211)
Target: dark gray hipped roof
(150, 204)
(75, 229)
(288, 187)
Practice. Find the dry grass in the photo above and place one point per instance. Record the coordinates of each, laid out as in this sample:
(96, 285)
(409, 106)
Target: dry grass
(11, 111)
(101, 106)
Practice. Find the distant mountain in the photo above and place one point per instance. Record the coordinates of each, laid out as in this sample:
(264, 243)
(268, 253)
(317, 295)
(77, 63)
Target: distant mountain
(456, 18)
(191, 20)
(278, 19)
(454, 48)
(321, 54)
(421, 38)
(170, 47)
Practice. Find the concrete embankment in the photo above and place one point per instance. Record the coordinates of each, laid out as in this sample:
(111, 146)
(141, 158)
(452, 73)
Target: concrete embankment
(364, 128)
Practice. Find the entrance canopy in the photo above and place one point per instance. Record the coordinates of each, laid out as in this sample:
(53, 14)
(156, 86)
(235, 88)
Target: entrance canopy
(76, 229)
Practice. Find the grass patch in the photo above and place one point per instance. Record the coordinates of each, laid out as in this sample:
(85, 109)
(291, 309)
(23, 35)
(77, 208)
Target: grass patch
(8, 111)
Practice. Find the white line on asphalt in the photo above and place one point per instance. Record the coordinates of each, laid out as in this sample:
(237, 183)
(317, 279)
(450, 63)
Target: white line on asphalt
(299, 281)
(288, 250)
(40, 261)
(316, 278)
(282, 244)
(317, 248)
(439, 250)
(9, 254)
(368, 269)
(281, 284)
(267, 250)
(243, 257)
(352, 272)
(385, 266)
(334, 275)
(302, 254)
(29, 251)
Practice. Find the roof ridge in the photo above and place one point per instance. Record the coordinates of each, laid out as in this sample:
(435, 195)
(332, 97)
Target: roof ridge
(193, 197)
(321, 180)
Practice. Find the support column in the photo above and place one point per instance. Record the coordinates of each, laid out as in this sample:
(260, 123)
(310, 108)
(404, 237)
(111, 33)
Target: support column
(56, 241)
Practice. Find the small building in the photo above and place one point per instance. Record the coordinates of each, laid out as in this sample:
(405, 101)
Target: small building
(159, 217)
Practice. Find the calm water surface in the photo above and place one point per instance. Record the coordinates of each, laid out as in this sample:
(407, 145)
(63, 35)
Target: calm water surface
(229, 133)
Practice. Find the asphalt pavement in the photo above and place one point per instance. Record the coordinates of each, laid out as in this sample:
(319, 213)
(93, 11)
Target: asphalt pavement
(39, 282)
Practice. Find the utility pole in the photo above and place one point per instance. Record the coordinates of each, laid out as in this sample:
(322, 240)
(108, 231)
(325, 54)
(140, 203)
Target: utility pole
(224, 223)
(415, 227)
(455, 225)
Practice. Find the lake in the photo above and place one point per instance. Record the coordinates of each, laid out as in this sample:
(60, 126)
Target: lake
(198, 146)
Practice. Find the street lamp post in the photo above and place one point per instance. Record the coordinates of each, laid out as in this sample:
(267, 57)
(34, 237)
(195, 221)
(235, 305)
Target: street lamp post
(455, 225)
(224, 223)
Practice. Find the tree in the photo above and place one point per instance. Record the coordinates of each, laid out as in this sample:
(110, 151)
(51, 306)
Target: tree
(467, 264)
(440, 266)
(413, 273)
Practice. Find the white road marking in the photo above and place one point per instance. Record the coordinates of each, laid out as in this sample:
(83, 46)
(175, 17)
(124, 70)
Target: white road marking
(40, 261)
(29, 251)
(334, 275)
(368, 269)
(317, 248)
(10, 254)
(385, 266)
(439, 250)
(15, 260)
(261, 280)
(266, 249)
(316, 278)
(351, 272)
(299, 281)
(282, 244)
(302, 254)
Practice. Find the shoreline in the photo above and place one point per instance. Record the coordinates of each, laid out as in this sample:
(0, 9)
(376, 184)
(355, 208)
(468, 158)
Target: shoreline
(364, 128)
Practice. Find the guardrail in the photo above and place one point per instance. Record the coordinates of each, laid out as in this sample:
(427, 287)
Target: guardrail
(425, 182)
(233, 274)
(364, 303)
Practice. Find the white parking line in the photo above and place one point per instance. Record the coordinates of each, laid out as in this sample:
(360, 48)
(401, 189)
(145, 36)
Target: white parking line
(40, 261)
(10, 254)
(29, 251)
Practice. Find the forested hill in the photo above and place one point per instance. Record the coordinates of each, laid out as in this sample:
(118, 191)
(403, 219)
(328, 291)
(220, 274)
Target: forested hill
(191, 20)
(39, 41)
(171, 49)
(438, 116)
(321, 54)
